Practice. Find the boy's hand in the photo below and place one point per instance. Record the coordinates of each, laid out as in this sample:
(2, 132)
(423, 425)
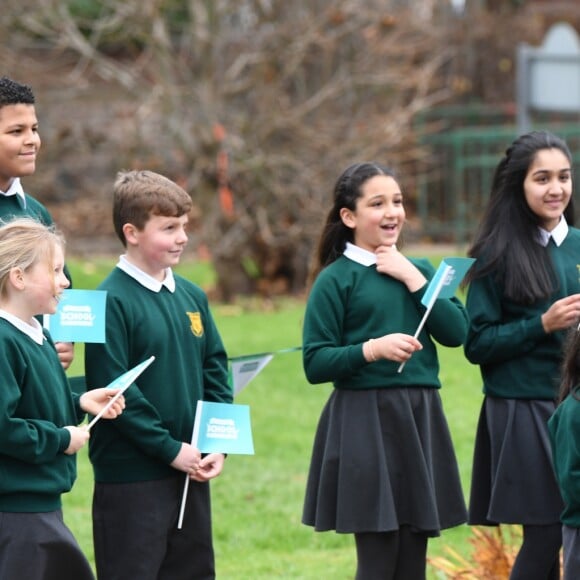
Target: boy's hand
(66, 353)
(209, 467)
(93, 402)
(187, 459)
(78, 437)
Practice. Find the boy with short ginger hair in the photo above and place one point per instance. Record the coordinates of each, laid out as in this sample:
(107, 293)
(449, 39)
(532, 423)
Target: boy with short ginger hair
(139, 464)
(19, 146)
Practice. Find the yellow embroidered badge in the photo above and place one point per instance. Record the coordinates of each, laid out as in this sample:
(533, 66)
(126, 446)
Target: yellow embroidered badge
(196, 324)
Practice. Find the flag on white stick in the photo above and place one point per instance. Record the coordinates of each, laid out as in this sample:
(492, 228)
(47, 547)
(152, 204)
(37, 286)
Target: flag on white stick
(443, 285)
(122, 383)
(219, 428)
(194, 438)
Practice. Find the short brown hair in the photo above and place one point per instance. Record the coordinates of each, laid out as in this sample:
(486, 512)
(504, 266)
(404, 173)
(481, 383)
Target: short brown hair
(138, 195)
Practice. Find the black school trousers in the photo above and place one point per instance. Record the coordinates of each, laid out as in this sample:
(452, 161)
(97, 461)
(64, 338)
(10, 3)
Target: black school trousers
(135, 531)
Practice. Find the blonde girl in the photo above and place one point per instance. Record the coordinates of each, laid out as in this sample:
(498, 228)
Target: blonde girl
(39, 414)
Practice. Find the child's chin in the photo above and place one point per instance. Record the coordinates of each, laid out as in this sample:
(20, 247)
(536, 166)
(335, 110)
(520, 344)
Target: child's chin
(28, 170)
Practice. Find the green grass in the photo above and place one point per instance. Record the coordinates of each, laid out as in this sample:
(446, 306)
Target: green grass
(257, 501)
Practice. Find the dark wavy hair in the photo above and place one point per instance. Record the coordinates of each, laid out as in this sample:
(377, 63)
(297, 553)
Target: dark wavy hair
(506, 240)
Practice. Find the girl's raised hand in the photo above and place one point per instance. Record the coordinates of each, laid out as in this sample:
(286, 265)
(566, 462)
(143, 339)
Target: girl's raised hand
(391, 262)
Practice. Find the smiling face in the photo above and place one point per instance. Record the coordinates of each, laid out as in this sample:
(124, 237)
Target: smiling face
(19, 142)
(158, 245)
(548, 186)
(44, 282)
(379, 215)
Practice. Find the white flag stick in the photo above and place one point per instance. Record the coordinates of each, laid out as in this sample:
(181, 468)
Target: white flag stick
(194, 438)
(417, 332)
(442, 281)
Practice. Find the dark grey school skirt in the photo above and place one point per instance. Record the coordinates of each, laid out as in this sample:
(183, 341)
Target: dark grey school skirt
(513, 480)
(39, 546)
(383, 458)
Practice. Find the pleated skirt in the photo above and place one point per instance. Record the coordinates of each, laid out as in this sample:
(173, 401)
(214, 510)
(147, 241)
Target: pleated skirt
(383, 458)
(39, 546)
(513, 479)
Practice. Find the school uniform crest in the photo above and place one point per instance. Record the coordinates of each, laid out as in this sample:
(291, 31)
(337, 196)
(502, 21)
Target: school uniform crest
(196, 324)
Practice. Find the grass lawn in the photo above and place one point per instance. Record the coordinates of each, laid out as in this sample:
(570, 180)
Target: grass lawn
(257, 501)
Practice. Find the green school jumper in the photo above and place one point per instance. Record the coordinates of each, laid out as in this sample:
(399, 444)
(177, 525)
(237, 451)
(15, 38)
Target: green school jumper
(564, 428)
(340, 317)
(190, 364)
(35, 405)
(382, 455)
(518, 360)
(12, 206)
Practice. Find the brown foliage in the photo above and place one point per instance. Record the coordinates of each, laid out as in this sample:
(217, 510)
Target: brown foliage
(492, 558)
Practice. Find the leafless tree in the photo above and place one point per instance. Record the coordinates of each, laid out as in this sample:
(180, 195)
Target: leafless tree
(254, 106)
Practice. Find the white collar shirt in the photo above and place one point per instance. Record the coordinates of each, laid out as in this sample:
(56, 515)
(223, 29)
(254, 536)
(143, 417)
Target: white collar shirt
(144, 279)
(33, 331)
(558, 234)
(359, 255)
(15, 189)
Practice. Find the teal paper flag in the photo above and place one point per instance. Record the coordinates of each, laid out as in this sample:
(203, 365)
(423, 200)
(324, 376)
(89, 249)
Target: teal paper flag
(443, 285)
(219, 428)
(223, 428)
(80, 317)
(125, 380)
(122, 382)
(446, 280)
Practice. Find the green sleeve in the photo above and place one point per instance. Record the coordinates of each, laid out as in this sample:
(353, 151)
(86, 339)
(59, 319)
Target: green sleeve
(564, 428)
(447, 322)
(325, 358)
(28, 439)
(491, 338)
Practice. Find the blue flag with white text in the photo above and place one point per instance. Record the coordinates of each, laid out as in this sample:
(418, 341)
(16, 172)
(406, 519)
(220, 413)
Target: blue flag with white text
(447, 279)
(223, 428)
(80, 317)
